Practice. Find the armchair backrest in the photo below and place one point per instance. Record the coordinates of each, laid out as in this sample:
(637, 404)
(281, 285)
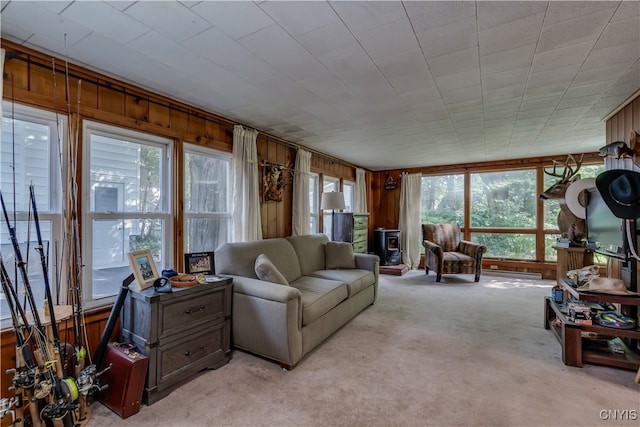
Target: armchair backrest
(447, 236)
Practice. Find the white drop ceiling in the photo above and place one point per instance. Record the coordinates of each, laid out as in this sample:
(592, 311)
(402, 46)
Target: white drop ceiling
(380, 84)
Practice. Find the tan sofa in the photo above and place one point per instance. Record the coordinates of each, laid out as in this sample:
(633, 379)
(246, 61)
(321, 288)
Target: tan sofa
(284, 322)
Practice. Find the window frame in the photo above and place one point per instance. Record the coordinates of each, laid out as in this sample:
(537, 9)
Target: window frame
(57, 128)
(189, 148)
(90, 128)
(349, 202)
(314, 214)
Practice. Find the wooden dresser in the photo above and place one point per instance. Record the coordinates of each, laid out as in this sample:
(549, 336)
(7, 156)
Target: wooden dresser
(352, 228)
(181, 333)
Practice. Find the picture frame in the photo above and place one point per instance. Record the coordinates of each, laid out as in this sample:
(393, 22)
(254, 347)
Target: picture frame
(202, 262)
(144, 267)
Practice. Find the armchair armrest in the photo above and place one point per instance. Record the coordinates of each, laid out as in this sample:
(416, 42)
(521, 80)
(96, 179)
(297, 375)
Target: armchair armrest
(472, 249)
(432, 247)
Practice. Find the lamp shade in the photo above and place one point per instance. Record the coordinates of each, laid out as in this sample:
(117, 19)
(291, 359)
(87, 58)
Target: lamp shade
(332, 200)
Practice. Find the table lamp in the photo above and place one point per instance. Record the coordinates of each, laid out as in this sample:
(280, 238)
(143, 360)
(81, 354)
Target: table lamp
(333, 200)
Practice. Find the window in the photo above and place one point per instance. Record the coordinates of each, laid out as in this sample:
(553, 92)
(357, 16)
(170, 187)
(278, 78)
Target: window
(443, 199)
(314, 209)
(126, 182)
(349, 190)
(29, 156)
(505, 199)
(329, 184)
(207, 199)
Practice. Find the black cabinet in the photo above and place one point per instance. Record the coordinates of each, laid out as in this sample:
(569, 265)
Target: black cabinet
(387, 246)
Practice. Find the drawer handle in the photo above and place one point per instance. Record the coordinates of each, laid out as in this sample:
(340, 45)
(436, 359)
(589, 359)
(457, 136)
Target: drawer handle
(194, 309)
(188, 353)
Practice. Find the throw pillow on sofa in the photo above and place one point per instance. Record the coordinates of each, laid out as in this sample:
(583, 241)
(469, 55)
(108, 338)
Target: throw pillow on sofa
(339, 255)
(265, 270)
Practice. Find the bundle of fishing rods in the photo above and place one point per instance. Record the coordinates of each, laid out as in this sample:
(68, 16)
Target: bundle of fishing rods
(51, 376)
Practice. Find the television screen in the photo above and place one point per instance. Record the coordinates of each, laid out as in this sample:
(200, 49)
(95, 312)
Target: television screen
(604, 229)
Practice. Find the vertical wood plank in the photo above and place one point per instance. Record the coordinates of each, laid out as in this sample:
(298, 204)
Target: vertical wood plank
(110, 99)
(136, 107)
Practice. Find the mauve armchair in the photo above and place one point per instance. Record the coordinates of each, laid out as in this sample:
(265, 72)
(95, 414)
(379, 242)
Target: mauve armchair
(446, 253)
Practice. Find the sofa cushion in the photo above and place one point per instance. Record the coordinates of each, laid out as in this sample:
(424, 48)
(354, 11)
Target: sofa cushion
(355, 279)
(310, 251)
(318, 296)
(339, 255)
(265, 270)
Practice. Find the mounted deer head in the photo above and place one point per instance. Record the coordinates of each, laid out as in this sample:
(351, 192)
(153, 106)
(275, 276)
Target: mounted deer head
(570, 225)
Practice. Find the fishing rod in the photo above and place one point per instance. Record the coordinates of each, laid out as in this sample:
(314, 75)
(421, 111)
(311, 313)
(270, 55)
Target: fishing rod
(60, 408)
(24, 373)
(16, 309)
(45, 273)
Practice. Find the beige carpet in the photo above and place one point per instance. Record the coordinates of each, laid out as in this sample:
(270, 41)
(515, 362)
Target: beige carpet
(444, 354)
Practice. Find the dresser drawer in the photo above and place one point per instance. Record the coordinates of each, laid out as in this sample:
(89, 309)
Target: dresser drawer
(148, 317)
(181, 359)
(360, 222)
(183, 314)
(360, 247)
(359, 235)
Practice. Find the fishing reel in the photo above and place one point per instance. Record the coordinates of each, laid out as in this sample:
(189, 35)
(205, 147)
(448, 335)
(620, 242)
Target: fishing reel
(86, 381)
(54, 411)
(5, 408)
(23, 378)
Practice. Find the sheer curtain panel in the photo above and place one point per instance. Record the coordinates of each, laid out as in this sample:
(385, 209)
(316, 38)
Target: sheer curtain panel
(247, 225)
(301, 211)
(409, 222)
(361, 192)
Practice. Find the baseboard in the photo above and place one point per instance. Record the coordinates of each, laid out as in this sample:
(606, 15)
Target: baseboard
(506, 273)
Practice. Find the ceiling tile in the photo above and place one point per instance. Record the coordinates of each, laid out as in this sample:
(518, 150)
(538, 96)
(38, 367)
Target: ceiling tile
(454, 62)
(573, 31)
(170, 19)
(298, 18)
(106, 20)
(237, 19)
(494, 14)
(510, 35)
(365, 15)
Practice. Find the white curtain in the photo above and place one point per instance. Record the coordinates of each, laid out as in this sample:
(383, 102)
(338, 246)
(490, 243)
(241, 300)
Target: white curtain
(409, 222)
(1, 74)
(247, 224)
(361, 192)
(301, 211)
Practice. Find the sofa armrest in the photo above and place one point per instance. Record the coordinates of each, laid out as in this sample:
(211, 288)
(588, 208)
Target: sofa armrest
(371, 263)
(264, 290)
(267, 319)
(367, 262)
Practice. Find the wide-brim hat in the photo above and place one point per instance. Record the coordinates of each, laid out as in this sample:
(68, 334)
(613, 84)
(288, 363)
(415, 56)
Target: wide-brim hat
(606, 285)
(620, 190)
(572, 196)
